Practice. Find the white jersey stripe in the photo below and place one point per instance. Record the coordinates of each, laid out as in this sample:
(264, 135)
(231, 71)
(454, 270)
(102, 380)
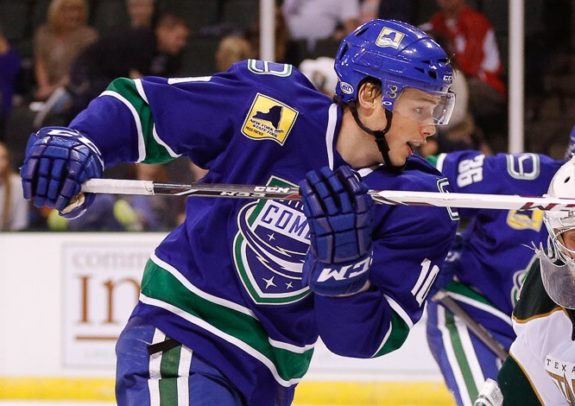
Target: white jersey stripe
(223, 335)
(330, 134)
(211, 298)
(470, 354)
(142, 93)
(450, 352)
(184, 376)
(154, 370)
(141, 143)
(482, 306)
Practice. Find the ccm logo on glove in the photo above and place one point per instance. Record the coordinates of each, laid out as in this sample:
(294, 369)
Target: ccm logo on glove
(345, 272)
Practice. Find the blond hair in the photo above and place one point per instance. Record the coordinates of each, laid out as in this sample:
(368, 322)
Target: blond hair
(55, 17)
(232, 49)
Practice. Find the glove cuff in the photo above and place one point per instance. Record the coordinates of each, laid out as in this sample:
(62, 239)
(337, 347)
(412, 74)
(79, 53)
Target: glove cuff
(92, 147)
(75, 134)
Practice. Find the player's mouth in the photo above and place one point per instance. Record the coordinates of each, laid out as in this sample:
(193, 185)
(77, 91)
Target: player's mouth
(413, 146)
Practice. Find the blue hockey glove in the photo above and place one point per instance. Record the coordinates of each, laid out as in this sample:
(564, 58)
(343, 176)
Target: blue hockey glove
(339, 212)
(58, 160)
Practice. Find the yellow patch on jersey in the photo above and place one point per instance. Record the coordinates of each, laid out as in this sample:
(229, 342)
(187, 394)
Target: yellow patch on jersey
(269, 118)
(525, 219)
(389, 38)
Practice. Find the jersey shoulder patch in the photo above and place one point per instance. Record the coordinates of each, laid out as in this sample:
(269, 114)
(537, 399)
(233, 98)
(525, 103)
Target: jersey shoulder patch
(269, 118)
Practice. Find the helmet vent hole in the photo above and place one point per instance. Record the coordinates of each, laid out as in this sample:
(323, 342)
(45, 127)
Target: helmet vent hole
(432, 74)
(567, 179)
(343, 51)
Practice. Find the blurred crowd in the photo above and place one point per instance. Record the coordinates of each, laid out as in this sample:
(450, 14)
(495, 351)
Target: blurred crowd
(69, 50)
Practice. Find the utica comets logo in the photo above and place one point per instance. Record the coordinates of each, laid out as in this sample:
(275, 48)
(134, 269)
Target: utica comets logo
(270, 248)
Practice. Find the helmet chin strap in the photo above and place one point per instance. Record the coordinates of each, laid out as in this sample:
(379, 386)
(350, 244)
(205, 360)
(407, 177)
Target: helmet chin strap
(379, 135)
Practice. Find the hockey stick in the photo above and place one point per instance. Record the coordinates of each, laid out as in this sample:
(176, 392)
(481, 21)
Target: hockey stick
(391, 197)
(486, 338)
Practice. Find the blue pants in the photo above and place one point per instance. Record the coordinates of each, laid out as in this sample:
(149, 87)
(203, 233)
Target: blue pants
(465, 361)
(154, 370)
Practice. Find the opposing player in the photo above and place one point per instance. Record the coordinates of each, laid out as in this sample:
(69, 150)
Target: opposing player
(488, 264)
(234, 300)
(541, 367)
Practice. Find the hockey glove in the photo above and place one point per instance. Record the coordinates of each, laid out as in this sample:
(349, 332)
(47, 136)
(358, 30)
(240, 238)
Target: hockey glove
(58, 160)
(339, 213)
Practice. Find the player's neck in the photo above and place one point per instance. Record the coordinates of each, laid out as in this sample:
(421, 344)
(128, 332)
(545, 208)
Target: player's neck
(357, 148)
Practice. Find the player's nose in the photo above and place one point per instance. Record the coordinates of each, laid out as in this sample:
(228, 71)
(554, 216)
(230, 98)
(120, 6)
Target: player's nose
(428, 130)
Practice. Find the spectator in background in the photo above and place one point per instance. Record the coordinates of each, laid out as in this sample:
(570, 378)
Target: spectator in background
(58, 42)
(404, 10)
(9, 68)
(283, 51)
(321, 73)
(368, 10)
(232, 48)
(131, 53)
(313, 20)
(141, 12)
(13, 207)
(477, 55)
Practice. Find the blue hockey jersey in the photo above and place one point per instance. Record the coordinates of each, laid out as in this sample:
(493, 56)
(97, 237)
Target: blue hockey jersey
(497, 245)
(227, 282)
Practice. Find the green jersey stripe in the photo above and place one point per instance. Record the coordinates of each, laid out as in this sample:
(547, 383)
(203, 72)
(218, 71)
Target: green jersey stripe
(160, 288)
(210, 298)
(465, 294)
(149, 149)
(395, 337)
(168, 376)
(142, 93)
(459, 351)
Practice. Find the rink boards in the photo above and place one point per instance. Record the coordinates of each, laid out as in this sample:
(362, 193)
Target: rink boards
(64, 298)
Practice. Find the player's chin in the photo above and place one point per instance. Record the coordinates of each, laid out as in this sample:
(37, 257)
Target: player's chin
(400, 159)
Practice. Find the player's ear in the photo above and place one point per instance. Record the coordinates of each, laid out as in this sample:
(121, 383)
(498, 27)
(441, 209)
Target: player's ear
(368, 95)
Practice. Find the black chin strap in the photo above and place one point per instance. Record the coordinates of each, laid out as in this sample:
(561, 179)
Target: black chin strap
(379, 135)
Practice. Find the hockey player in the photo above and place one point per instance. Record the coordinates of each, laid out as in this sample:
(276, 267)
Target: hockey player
(540, 369)
(233, 301)
(488, 264)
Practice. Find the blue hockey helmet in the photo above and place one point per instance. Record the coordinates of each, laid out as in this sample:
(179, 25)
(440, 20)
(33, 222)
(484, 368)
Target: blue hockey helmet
(398, 55)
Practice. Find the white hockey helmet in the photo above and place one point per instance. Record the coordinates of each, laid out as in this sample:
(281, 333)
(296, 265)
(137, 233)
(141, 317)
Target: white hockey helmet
(558, 264)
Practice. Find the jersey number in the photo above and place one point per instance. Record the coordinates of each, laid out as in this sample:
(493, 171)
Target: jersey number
(470, 171)
(425, 280)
